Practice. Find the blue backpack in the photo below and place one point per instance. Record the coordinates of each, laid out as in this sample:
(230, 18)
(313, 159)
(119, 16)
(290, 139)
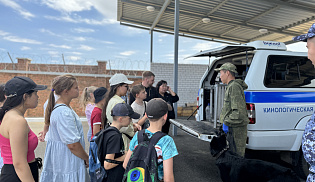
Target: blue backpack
(96, 170)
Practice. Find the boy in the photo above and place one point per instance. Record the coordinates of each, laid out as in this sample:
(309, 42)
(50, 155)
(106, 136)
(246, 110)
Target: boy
(96, 116)
(112, 143)
(138, 91)
(156, 111)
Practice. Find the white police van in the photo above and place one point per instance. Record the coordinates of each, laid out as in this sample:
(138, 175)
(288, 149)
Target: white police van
(280, 97)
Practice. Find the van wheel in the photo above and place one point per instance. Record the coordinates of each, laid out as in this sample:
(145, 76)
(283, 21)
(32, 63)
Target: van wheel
(301, 167)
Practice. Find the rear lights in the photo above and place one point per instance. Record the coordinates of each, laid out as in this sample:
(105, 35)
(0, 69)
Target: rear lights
(251, 113)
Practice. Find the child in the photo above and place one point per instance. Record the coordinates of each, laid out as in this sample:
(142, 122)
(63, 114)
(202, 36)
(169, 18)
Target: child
(96, 121)
(156, 111)
(87, 101)
(114, 151)
(65, 157)
(138, 91)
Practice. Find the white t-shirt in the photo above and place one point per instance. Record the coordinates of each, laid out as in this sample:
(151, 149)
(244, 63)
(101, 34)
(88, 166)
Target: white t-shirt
(140, 109)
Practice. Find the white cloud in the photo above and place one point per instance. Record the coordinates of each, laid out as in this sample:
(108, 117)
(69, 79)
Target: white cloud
(107, 8)
(83, 30)
(60, 46)
(86, 48)
(12, 4)
(160, 40)
(24, 48)
(79, 39)
(54, 53)
(107, 42)
(49, 32)
(2, 33)
(69, 5)
(74, 57)
(78, 19)
(21, 40)
(127, 53)
(76, 53)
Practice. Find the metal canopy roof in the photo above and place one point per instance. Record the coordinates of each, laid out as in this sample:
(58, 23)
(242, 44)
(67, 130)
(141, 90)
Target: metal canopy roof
(236, 21)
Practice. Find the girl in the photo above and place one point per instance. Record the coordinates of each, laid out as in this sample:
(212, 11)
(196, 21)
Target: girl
(118, 88)
(17, 140)
(65, 158)
(88, 102)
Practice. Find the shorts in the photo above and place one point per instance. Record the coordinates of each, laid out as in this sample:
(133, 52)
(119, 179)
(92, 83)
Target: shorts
(8, 172)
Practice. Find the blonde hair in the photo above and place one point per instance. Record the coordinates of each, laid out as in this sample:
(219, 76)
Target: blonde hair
(86, 97)
(59, 84)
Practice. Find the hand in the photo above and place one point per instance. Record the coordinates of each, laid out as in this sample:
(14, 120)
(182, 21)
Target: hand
(86, 163)
(136, 127)
(41, 136)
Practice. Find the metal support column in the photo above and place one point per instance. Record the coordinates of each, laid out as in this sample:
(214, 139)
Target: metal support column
(176, 30)
(151, 46)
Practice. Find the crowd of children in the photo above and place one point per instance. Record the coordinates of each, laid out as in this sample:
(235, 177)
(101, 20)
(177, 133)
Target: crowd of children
(106, 110)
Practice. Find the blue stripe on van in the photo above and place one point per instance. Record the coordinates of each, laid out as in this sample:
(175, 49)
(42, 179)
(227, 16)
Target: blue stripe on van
(279, 97)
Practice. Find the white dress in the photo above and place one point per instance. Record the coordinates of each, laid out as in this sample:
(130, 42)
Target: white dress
(60, 164)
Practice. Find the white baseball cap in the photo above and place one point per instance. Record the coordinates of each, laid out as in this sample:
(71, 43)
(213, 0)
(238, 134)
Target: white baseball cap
(119, 78)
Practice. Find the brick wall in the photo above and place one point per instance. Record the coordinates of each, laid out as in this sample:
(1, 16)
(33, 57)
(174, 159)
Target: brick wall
(189, 76)
(86, 75)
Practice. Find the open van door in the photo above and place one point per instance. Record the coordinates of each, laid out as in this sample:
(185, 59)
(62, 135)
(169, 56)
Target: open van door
(206, 130)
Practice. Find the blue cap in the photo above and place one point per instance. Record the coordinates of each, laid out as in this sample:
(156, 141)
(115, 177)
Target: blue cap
(304, 37)
(122, 109)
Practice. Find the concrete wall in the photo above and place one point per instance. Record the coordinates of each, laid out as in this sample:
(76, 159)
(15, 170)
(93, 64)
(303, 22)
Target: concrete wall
(189, 76)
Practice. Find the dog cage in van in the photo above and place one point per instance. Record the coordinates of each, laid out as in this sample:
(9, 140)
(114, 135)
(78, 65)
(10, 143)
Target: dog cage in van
(212, 91)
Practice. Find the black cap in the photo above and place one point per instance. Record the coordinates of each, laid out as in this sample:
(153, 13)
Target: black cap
(20, 85)
(99, 94)
(156, 108)
(122, 109)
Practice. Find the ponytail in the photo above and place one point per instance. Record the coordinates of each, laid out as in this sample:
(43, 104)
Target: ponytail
(85, 96)
(50, 107)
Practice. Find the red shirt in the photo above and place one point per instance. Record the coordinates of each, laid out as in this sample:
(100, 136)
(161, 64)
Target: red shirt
(96, 118)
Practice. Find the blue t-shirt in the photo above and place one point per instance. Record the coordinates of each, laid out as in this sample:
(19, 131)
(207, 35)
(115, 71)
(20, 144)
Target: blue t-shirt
(165, 149)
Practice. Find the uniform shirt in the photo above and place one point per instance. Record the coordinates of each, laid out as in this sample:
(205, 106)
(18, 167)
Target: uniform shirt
(234, 111)
(308, 146)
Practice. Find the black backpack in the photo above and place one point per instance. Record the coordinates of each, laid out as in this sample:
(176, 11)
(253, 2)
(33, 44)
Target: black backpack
(143, 163)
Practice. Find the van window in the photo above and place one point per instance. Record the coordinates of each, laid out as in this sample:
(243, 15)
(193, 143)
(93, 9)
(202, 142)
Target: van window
(289, 72)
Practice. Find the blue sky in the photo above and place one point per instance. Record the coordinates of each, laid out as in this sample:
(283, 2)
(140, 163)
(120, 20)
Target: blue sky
(85, 31)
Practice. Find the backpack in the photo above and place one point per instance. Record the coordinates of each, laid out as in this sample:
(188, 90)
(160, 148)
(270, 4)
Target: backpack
(143, 163)
(96, 170)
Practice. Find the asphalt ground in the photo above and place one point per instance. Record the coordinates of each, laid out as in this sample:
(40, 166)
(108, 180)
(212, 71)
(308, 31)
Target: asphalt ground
(194, 162)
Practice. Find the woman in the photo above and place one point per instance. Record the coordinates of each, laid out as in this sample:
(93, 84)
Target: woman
(87, 100)
(118, 88)
(17, 140)
(167, 94)
(65, 157)
(2, 99)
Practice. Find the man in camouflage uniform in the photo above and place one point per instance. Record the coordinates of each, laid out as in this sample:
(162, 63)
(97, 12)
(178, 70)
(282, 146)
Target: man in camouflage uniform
(308, 139)
(234, 111)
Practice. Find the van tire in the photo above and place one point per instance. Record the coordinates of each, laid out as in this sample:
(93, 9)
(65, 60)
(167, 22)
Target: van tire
(302, 167)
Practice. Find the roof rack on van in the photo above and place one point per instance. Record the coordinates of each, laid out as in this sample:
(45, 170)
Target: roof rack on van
(232, 49)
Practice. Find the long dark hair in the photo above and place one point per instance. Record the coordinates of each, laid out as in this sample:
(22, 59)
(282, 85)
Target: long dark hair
(12, 102)
(108, 96)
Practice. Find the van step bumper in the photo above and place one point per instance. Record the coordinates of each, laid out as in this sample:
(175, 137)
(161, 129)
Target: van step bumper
(202, 130)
